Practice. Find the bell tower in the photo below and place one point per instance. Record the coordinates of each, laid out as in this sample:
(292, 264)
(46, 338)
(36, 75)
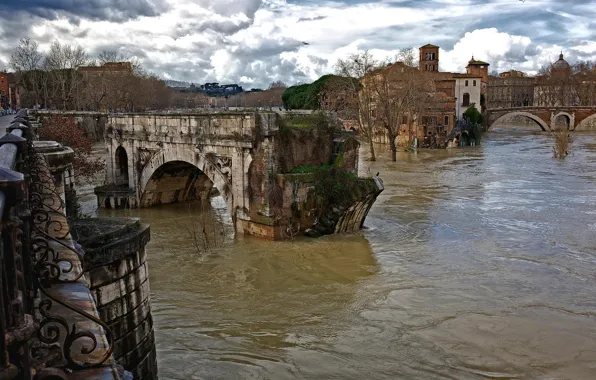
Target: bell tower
(429, 58)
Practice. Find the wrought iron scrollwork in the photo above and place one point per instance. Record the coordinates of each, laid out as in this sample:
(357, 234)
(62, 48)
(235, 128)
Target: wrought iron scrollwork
(50, 234)
(37, 256)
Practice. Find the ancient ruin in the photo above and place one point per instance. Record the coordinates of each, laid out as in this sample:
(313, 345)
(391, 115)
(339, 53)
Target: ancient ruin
(161, 158)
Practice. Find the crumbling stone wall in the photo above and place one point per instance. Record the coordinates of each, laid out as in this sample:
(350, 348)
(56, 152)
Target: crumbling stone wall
(304, 147)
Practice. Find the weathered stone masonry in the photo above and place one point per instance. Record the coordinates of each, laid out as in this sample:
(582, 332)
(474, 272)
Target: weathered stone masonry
(117, 268)
(216, 149)
(157, 159)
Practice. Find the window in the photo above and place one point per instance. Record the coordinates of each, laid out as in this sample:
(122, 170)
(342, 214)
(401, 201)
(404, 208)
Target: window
(404, 119)
(446, 120)
(466, 83)
(474, 83)
(466, 100)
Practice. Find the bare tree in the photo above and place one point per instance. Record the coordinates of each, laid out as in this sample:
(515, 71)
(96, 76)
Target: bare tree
(61, 63)
(107, 56)
(359, 98)
(401, 95)
(204, 228)
(27, 61)
(111, 56)
(277, 84)
(562, 140)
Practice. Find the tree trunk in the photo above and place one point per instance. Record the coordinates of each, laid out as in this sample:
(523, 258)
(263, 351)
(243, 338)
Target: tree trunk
(372, 148)
(393, 146)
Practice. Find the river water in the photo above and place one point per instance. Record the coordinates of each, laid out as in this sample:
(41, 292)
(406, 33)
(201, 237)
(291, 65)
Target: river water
(476, 263)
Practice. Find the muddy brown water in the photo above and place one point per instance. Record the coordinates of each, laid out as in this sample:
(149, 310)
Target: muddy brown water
(476, 263)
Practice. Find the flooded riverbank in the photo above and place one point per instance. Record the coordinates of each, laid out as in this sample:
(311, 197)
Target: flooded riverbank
(476, 263)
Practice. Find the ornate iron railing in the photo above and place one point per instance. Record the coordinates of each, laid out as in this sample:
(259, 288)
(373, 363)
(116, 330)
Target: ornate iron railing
(36, 257)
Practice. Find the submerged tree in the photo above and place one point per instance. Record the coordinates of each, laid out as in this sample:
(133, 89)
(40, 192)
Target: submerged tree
(204, 228)
(401, 94)
(562, 140)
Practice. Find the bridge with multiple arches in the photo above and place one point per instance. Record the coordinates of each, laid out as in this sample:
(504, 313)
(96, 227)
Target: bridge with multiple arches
(572, 118)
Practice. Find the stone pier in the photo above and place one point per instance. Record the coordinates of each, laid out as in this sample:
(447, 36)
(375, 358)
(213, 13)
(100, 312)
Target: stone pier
(117, 268)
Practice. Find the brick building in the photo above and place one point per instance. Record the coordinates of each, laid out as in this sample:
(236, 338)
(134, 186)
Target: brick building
(4, 90)
(512, 74)
(468, 88)
(454, 94)
(108, 67)
(103, 80)
(559, 86)
(510, 89)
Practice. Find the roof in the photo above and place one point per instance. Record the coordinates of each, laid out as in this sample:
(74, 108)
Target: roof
(474, 62)
(429, 46)
(561, 63)
(467, 76)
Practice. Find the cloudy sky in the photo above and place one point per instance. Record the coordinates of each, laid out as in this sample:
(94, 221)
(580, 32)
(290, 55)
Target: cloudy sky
(255, 42)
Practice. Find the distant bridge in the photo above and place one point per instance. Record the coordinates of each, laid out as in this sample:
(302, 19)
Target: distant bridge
(547, 118)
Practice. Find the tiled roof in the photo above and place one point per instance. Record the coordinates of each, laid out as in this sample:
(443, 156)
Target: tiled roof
(476, 62)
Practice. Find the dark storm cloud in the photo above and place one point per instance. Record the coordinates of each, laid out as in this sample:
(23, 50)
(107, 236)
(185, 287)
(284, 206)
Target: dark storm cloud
(226, 40)
(232, 7)
(15, 25)
(113, 10)
(267, 48)
(303, 19)
(126, 50)
(223, 27)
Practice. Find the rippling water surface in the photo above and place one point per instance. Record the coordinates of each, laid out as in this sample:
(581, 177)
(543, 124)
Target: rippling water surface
(476, 263)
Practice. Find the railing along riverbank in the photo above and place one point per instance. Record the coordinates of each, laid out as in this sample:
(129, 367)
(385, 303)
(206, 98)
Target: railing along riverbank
(48, 316)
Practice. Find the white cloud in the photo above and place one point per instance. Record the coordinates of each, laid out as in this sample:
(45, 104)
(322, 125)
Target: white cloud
(258, 41)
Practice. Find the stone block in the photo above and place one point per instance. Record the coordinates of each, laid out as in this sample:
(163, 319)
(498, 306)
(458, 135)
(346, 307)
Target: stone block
(125, 304)
(128, 322)
(103, 275)
(110, 292)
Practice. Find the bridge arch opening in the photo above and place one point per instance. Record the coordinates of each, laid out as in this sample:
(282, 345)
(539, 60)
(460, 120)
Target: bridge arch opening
(174, 182)
(587, 124)
(562, 121)
(506, 118)
(121, 166)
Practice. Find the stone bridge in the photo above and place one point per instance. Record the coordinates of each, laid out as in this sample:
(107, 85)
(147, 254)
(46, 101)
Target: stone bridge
(547, 118)
(165, 158)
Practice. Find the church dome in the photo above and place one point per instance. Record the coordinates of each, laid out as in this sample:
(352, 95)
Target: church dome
(561, 64)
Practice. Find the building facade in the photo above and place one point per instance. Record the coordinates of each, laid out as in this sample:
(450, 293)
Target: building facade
(509, 91)
(4, 90)
(429, 58)
(466, 89)
(468, 92)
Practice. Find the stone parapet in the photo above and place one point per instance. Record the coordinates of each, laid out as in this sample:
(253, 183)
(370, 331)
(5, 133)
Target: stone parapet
(117, 268)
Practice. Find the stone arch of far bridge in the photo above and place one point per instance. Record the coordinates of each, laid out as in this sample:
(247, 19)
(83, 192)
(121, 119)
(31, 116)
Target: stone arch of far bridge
(541, 123)
(570, 119)
(587, 124)
(207, 166)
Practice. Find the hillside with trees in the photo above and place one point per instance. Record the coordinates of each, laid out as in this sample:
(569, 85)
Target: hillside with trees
(306, 96)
